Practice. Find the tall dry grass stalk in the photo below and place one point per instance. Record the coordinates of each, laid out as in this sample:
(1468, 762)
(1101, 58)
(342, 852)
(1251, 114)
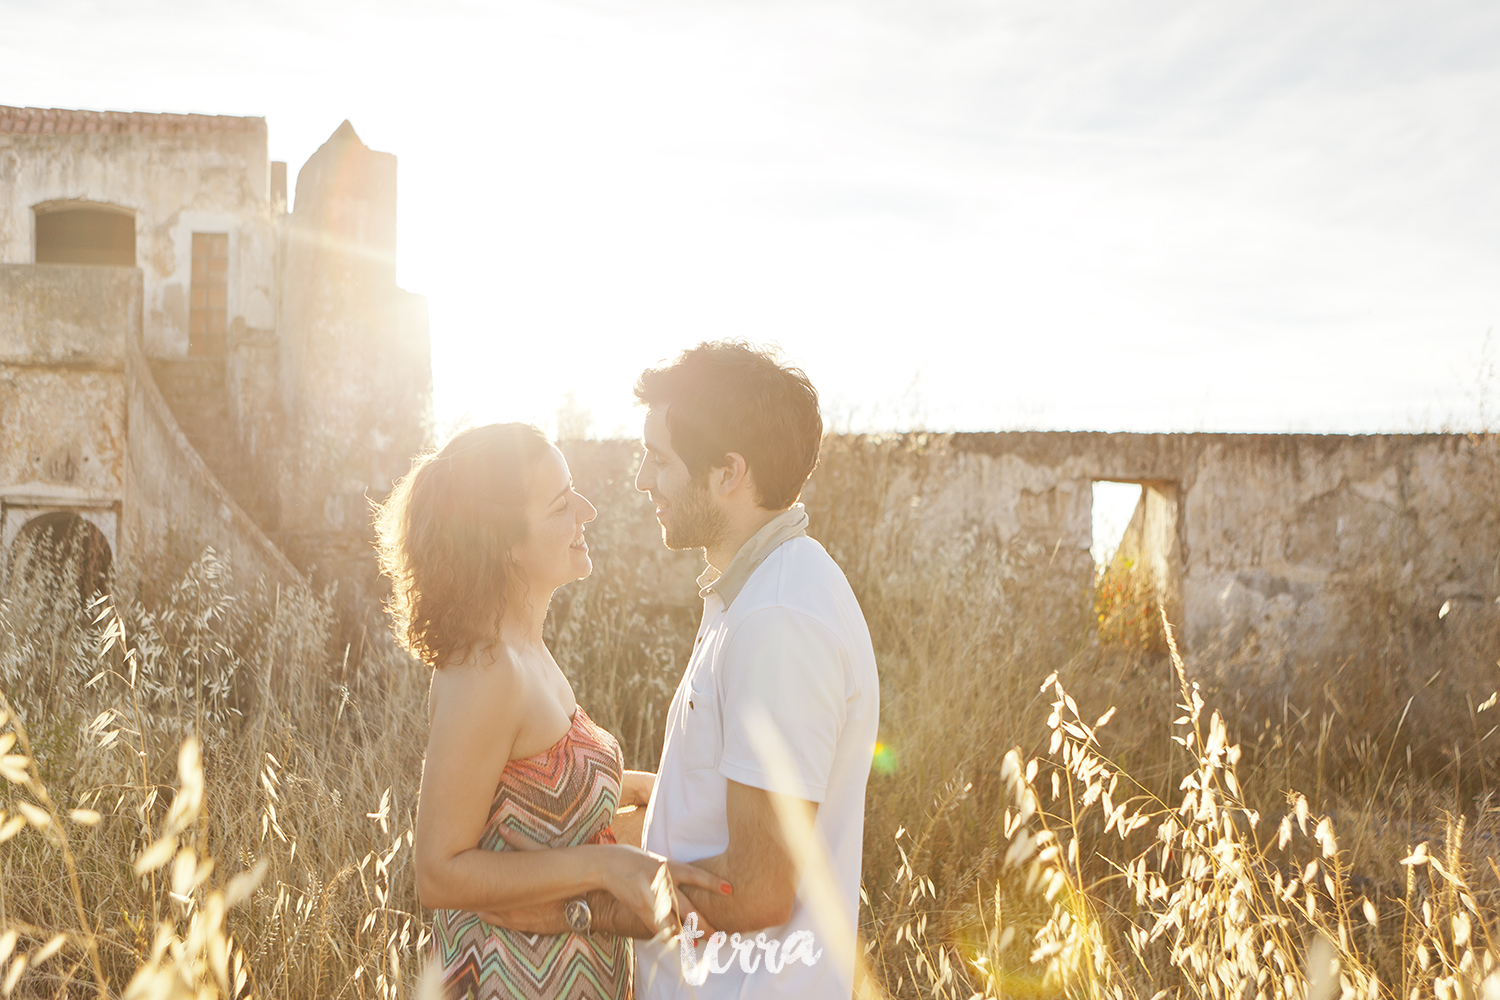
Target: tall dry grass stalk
(311, 757)
(208, 795)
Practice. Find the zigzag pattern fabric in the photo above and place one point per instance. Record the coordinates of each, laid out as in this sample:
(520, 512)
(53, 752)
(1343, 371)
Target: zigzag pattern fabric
(562, 797)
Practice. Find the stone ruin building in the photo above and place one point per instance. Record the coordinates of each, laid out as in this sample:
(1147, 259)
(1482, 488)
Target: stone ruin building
(185, 361)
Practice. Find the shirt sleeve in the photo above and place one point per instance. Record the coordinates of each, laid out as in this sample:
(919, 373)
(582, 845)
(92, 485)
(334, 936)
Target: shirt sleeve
(784, 703)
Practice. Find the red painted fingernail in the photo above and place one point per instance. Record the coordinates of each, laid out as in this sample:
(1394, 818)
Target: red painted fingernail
(726, 888)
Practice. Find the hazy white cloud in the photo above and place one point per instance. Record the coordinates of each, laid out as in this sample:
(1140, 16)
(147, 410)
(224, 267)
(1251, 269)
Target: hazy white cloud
(1151, 216)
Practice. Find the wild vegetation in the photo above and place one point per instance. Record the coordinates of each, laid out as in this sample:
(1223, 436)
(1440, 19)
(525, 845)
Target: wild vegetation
(208, 795)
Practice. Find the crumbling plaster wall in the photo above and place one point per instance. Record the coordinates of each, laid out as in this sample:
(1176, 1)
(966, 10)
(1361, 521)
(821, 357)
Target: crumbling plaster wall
(354, 364)
(177, 184)
(1291, 550)
(1283, 540)
(174, 507)
(63, 334)
(83, 427)
(1302, 548)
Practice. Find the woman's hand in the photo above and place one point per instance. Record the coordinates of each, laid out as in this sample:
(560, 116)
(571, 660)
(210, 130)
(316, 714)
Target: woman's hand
(646, 884)
(544, 918)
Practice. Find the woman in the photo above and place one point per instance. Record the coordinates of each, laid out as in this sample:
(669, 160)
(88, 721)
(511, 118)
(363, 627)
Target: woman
(475, 540)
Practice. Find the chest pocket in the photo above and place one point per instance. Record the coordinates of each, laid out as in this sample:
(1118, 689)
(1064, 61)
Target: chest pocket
(703, 731)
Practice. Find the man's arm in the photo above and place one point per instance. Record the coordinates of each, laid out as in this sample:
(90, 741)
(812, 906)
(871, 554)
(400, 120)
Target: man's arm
(629, 825)
(769, 836)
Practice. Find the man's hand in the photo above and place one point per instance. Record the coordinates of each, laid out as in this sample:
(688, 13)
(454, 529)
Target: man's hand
(658, 911)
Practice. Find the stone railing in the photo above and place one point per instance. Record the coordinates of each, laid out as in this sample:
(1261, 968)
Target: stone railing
(174, 506)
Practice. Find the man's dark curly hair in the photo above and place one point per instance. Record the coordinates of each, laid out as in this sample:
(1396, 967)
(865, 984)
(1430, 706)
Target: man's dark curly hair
(727, 396)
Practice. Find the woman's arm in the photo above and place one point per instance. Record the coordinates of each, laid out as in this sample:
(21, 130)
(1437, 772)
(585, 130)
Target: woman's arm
(610, 915)
(477, 715)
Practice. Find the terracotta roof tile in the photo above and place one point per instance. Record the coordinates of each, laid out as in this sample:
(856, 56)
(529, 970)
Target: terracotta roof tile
(51, 121)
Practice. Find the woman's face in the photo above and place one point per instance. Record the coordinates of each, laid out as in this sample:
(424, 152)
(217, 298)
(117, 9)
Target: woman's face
(554, 552)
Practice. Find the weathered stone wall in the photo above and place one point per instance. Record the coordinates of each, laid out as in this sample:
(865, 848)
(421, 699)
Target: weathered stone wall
(1289, 557)
(65, 316)
(63, 335)
(210, 174)
(252, 396)
(355, 365)
(1275, 531)
(84, 428)
(174, 507)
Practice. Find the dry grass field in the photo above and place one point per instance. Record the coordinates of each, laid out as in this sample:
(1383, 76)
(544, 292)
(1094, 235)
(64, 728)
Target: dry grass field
(210, 796)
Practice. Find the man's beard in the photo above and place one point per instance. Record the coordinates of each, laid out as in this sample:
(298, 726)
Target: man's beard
(696, 522)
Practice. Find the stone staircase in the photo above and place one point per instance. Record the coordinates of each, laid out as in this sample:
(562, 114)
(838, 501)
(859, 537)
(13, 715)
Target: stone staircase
(194, 389)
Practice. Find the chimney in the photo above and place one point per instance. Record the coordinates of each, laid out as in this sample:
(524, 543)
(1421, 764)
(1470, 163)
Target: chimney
(278, 187)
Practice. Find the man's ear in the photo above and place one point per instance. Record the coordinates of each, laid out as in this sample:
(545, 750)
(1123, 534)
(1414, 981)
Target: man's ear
(734, 473)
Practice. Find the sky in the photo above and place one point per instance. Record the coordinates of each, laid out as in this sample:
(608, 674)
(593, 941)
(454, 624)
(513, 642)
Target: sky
(953, 214)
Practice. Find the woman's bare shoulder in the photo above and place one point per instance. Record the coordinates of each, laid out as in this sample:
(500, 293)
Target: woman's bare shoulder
(482, 691)
(496, 665)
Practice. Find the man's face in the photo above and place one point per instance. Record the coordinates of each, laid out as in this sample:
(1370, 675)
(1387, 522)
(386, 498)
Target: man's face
(687, 512)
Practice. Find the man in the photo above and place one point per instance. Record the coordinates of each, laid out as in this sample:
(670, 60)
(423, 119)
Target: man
(770, 734)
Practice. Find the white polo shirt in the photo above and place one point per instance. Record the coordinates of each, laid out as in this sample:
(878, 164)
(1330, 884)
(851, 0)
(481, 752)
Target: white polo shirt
(780, 693)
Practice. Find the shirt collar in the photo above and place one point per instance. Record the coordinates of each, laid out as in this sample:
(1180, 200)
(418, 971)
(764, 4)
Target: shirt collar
(790, 523)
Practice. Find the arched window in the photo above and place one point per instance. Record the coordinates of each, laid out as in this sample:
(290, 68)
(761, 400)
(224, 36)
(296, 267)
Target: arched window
(85, 233)
(61, 549)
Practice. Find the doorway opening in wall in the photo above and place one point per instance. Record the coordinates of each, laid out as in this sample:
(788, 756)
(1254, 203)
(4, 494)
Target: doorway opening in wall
(59, 555)
(1137, 554)
(85, 233)
(1114, 505)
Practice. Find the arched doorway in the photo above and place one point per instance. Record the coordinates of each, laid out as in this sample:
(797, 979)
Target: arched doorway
(81, 232)
(60, 548)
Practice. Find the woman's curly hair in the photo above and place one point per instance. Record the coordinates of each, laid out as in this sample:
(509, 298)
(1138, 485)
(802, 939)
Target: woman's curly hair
(445, 534)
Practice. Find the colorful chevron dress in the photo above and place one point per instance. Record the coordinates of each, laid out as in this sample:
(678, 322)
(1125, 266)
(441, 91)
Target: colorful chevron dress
(562, 797)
